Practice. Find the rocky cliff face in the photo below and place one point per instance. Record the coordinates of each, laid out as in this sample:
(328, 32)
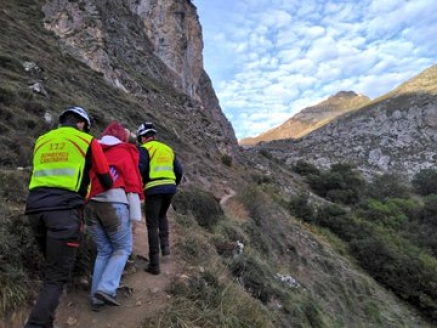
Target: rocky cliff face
(312, 118)
(396, 133)
(127, 40)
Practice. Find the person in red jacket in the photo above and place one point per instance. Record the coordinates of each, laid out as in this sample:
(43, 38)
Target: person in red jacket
(109, 214)
(62, 161)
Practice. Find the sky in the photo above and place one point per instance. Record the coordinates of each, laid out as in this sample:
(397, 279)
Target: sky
(269, 59)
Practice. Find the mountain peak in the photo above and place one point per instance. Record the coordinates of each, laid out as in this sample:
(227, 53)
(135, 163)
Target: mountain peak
(312, 118)
(345, 94)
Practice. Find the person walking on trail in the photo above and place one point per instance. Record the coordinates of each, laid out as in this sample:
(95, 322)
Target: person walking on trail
(110, 213)
(161, 172)
(62, 161)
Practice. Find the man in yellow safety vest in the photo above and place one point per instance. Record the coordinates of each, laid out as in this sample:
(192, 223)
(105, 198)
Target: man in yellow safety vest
(161, 172)
(62, 160)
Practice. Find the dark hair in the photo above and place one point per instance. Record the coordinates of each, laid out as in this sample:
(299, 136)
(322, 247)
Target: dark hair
(71, 118)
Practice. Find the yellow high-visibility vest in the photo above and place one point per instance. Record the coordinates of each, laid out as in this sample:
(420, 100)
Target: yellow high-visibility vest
(161, 159)
(59, 159)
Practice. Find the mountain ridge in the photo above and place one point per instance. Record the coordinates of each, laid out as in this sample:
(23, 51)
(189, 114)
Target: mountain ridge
(393, 133)
(311, 118)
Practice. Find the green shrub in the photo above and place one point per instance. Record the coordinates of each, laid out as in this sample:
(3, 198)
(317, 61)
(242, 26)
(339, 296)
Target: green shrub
(324, 182)
(388, 214)
(429, 214)
(342, 184)
(304, 168)
(412, 208)
(401, 267)
(425, 182)
(352, 184)
(185, 220)
(255, 202)
(300, 207)
(195, 249)
(347, 196)
(260, 178)
(423, 235)
(254, 275)
(388, 186)
(342, 223)
(202, 205)
(227, 160)
(228, 231)
(330, 210)
(257, 240)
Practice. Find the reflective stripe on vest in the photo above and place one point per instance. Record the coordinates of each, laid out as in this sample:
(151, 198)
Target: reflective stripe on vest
(48, 172)
(161, 159)
(59, 159)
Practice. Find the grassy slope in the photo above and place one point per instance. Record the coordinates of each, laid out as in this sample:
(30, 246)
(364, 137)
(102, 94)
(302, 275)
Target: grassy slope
(335, 293)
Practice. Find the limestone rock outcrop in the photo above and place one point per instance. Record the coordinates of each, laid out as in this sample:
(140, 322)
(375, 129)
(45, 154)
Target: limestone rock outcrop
(141, 47)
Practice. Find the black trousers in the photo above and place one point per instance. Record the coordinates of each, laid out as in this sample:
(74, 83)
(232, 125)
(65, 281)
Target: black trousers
(57, 234)
(156, 207)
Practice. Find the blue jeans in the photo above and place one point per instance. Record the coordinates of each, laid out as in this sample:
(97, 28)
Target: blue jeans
(110, 228)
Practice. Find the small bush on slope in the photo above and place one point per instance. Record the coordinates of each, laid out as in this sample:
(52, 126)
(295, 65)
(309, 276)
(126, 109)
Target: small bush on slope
(425, 182)
(202, 205)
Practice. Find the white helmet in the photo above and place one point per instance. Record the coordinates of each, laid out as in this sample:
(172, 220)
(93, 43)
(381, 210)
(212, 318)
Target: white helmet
(146, 128)
(80, 112)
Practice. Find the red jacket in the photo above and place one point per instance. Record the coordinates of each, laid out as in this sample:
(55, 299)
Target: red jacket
(123, 159)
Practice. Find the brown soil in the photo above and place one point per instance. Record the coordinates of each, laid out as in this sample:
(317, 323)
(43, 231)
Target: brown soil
(141, 295)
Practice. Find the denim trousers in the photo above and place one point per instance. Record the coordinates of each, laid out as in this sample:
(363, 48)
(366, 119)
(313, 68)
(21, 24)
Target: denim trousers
(57, 234)
(110, 228)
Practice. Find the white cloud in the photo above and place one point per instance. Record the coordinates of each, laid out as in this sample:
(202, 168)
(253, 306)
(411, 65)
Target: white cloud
(268, 59)
(275, 19)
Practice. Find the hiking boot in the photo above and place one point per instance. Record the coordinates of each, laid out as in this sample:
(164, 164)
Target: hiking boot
(108, 299)
(165, 250)
(97, 307)
(152, 270)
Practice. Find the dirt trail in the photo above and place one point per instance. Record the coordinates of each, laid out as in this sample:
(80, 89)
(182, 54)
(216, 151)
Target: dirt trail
(149, 295)
(144, 298)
